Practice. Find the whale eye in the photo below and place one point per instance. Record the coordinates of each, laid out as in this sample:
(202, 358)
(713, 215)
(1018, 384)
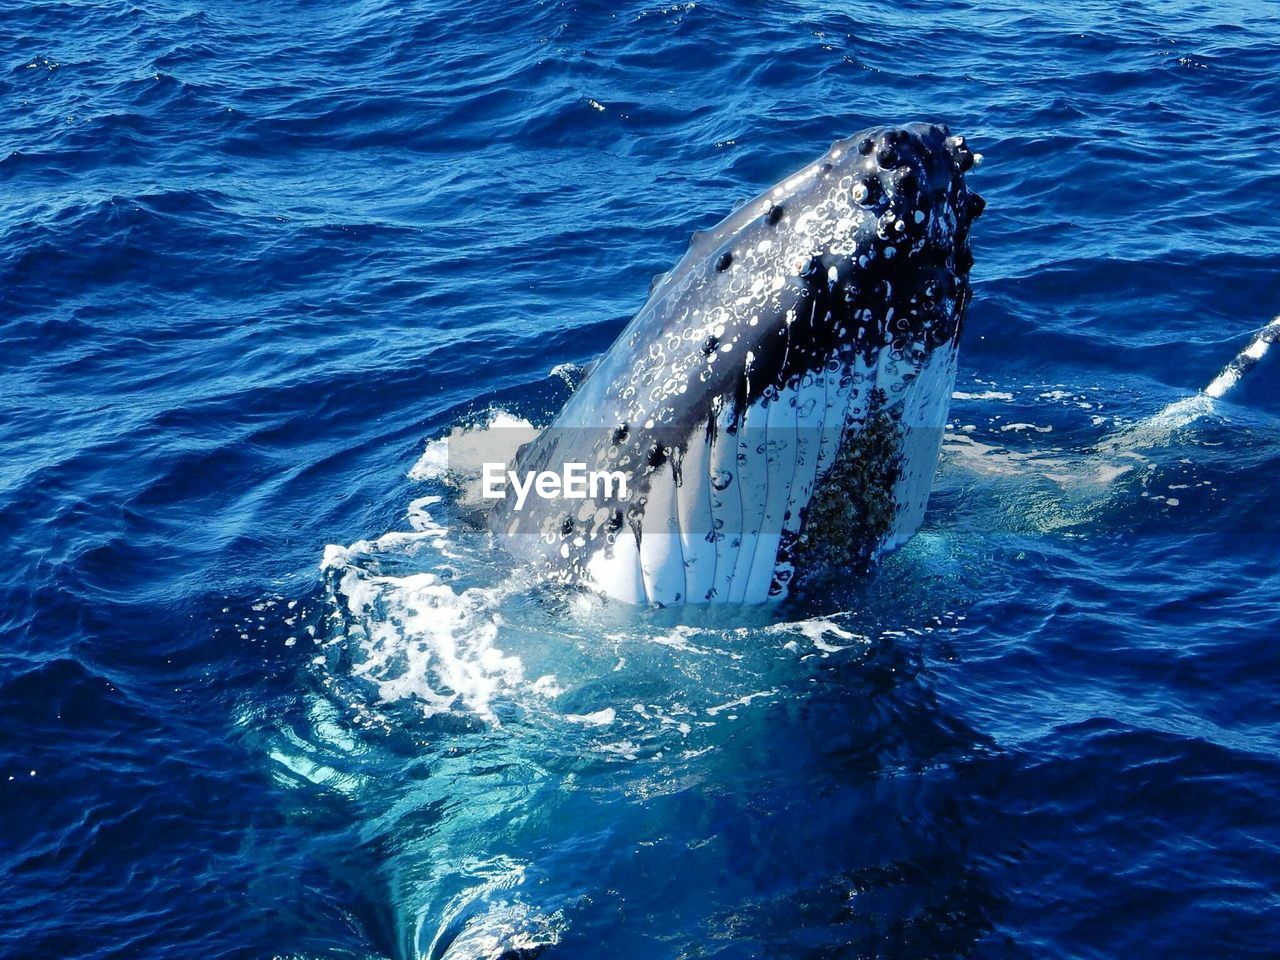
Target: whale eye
(722, 264)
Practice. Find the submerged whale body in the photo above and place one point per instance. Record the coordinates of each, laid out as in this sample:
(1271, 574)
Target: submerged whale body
(773, 413)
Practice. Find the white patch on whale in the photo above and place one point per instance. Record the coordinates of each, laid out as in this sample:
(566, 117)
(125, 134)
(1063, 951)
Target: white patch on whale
(759, 479)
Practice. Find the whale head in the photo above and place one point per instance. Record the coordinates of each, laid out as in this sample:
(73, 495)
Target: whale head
(871, 240)
(776, 406)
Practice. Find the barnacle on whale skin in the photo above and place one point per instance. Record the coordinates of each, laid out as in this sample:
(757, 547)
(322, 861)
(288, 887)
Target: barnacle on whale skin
(853, 507)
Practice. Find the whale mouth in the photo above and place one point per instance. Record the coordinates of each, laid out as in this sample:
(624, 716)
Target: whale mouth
(777, 405)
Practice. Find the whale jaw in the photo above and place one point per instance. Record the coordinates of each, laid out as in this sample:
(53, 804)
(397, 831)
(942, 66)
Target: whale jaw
(819, 480)
(779, 401)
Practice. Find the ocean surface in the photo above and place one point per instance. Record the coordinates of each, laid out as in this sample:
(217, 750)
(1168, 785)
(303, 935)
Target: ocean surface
(262, 696)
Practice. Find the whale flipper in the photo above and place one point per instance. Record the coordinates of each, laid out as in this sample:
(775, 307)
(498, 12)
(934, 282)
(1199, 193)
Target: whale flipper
(1244, 361)
(1158, 429)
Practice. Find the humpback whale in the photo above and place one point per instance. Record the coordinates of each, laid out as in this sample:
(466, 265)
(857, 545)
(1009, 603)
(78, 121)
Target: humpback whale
(773, 413)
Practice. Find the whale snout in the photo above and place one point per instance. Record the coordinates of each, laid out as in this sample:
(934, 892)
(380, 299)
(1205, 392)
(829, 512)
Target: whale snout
(880, 237)
(911, 174)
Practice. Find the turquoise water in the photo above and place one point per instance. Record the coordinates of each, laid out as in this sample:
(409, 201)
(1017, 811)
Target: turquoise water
(261, 696)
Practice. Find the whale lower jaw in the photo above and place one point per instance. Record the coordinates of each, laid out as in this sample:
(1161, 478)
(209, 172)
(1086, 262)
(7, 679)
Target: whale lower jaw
(833, 470)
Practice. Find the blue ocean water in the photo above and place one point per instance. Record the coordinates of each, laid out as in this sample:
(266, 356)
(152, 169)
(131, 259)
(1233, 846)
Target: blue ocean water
(258, 698)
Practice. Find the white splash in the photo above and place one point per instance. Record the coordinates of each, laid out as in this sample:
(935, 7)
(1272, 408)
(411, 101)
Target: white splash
(421, 640)
(419, 637)
(820, 632)
(459, 457)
